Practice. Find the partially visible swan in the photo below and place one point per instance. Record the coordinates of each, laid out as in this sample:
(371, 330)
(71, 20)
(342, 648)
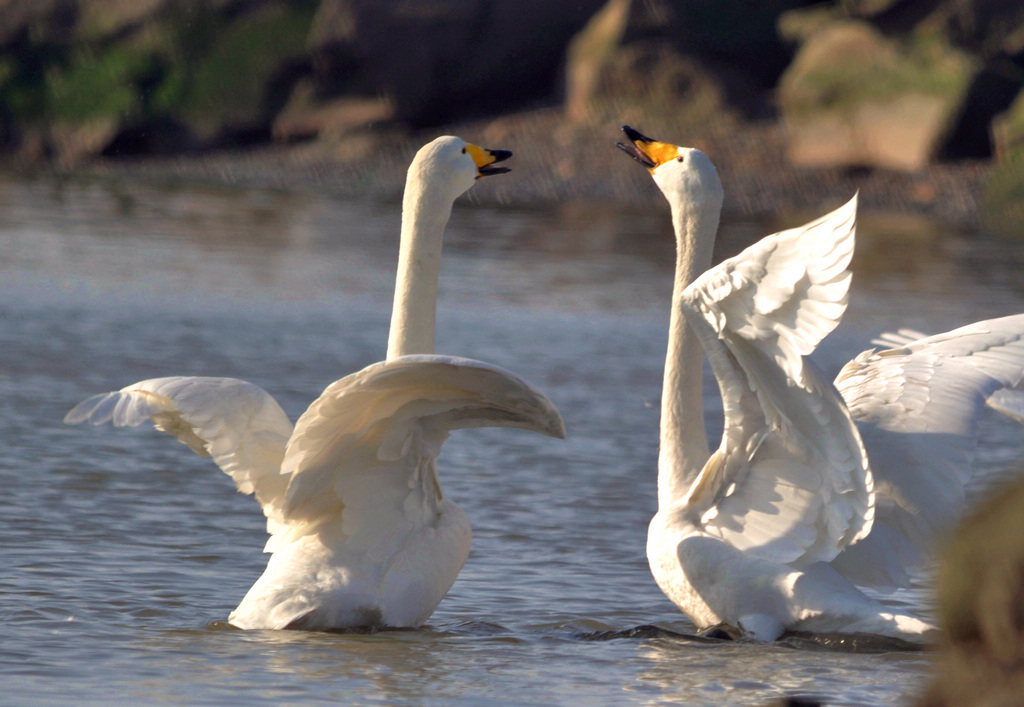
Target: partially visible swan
(360, 531)
(813, 488)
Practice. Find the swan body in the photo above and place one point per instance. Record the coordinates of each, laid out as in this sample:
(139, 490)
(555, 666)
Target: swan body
(360, 533)
(816, 487)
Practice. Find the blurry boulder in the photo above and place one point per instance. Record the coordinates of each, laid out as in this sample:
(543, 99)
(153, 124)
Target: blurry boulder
(233, 88)
(737, 34)
(86, 77)
(591, 52)
(1004, 192)
(651, 84)
(306, 117)
(101, 19)
(445, 60)
(987, 27)
(1008, 130)
(71, 143)
(634, 63)
(981, 608)
(854, 97)
(45, 18)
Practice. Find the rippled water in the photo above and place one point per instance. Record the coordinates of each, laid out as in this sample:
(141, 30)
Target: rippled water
(124, 553)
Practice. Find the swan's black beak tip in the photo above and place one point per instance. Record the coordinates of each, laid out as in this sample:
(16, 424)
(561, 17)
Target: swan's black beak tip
(500, 155)
(489, 169)
(635, 135)
(633, 149)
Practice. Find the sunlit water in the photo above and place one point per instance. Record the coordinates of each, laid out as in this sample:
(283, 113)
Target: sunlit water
(123, 553)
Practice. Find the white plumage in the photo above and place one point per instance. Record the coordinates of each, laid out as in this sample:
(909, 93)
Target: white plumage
(360, 531)
(815, 487)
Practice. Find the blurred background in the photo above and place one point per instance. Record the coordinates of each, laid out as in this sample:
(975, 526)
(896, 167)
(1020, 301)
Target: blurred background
(919, 103)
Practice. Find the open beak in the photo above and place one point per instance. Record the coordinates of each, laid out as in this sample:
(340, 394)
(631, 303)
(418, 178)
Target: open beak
(485, 159)
(647, 151)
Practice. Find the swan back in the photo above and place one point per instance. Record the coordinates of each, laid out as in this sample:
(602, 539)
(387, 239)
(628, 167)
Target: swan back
(365, 451)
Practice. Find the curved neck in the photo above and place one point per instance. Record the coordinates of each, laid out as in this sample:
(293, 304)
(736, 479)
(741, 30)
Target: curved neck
(684, 444)
(424, 216)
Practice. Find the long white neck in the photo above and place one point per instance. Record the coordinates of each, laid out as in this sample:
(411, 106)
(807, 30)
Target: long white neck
(425, 214)
(684, 445)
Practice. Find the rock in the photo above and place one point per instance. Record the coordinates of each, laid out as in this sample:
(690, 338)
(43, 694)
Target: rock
(590, 53)
(47, 19)
(626, 66)
(854, 97)
(981, 608)
(1004, 192)
(101, 19)
(305, 117)
(86, 77)
(1008, 130)
(738, 34)
(441, 60)
(152, 136)
(797, 26)
(989, 27)
(238, 84)
(71, 144)
(652, 84)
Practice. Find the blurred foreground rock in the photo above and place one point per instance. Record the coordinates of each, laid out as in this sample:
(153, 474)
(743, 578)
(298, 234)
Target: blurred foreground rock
(981, 608)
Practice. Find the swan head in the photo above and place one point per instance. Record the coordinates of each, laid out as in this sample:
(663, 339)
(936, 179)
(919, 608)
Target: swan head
(685, 175)
(453, 165)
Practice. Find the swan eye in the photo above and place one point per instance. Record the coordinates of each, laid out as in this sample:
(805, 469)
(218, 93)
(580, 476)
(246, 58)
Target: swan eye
(463, 150)
(680, 159)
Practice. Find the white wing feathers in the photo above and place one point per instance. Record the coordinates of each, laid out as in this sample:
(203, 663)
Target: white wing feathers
(787, 291)
(368, 444)
(236, 423)
(918, 407)
(790, 481)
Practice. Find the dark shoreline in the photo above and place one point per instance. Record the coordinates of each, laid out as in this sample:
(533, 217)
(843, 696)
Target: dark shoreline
(557, 164)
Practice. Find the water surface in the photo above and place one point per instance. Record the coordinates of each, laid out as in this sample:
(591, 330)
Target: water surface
(124, 553)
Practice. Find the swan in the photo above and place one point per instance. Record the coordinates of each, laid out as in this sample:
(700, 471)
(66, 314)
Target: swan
(360, 534)
(816, 489)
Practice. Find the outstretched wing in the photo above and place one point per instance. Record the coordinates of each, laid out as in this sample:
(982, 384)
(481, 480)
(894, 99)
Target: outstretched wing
(365, 451)
(790, 480)
(917, 407)
(237, 423)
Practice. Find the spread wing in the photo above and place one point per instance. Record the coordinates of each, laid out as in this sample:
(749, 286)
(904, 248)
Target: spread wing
(917, 407)
(365, 451)
(790, 480)
(237, 423)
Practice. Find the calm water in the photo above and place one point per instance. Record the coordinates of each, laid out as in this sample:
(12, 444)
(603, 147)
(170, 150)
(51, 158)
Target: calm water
(123, 553)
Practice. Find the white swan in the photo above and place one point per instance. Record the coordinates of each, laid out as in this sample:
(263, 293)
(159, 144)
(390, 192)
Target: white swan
(360, 532)
(813, 488)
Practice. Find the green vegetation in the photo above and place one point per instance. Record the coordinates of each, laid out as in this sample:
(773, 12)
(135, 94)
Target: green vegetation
(98, 84)
(230, 81)
(191, 62)
(877, 70)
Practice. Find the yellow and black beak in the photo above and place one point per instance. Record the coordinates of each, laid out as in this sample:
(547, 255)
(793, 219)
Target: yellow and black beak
(484, 159)
(647, 151)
